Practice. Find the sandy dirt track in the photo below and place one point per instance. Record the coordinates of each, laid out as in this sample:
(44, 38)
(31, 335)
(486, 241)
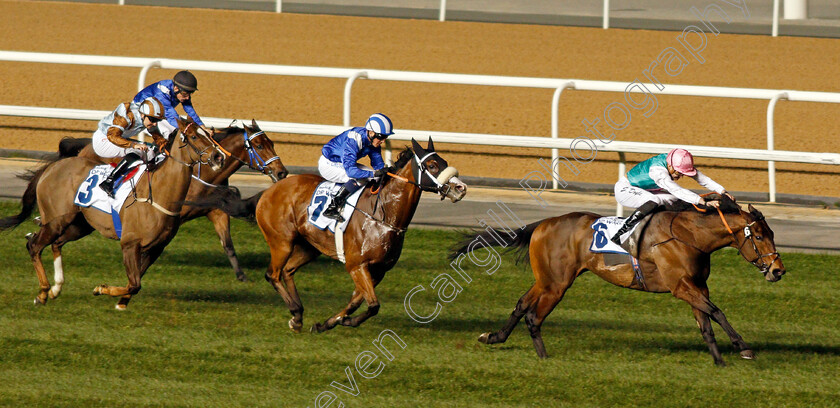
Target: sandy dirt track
(419, 45)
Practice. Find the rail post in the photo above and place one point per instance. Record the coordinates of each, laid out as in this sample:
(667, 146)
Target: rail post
(555, 106)
(771, 165)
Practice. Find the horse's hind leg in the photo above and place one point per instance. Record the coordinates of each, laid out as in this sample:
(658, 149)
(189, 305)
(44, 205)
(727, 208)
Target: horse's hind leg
(36, 244)
(284, 263)
(221, 222)
(523, 305)
(78, 229)
(549, 298)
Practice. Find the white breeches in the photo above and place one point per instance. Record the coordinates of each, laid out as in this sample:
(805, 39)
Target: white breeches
(335, 171)
(105, 149)
(630, 196)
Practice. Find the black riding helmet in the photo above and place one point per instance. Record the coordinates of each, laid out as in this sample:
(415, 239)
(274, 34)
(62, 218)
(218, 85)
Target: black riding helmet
(186, 81)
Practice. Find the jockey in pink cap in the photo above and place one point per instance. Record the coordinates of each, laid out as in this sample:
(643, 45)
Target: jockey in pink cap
(653, 182)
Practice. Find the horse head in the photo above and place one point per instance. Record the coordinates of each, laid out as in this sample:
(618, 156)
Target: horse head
(761, 250)
(261, 153)
(434, 174)
(194, 145)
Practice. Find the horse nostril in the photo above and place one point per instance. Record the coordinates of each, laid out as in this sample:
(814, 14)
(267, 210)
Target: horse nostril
(777, 272)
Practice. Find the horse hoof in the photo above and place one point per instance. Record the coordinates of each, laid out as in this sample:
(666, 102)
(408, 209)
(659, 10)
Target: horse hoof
(37, 221)
(484, 338)
(242, 277)
(119, 307)
(29, 236)
(747, 355)
(295, 327)
(98, 290)
(39, 302)
(317, 328)
(720, 363)
(53, 293)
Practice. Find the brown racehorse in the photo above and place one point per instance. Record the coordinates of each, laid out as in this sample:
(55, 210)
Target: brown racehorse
(247, 145)
(373, 239)
(674, 256)
(147, 226)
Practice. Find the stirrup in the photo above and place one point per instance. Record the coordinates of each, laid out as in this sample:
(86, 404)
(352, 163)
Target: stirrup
(334, 215)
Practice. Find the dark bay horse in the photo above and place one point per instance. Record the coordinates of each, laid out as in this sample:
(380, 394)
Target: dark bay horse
(373, 239)
(674, 255)
(246, 145)
(147, 225)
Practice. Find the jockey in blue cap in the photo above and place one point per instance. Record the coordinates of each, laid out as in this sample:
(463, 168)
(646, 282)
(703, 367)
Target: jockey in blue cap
(171, 92)
(339, 157)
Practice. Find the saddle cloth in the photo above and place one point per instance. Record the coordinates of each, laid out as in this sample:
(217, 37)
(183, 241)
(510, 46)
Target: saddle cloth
(89, 195)
(321, 198)
(604, 228)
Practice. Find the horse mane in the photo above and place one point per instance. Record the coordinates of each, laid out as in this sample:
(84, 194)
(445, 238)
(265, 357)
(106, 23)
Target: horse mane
(404, 157)
(223, 133)
(727, 206)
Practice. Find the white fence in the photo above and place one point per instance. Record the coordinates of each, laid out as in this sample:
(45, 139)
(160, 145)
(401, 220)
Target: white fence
(773, 96)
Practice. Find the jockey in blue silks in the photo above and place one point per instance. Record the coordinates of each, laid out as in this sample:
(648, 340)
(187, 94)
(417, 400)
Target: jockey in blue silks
(339, 157)
(171, 92)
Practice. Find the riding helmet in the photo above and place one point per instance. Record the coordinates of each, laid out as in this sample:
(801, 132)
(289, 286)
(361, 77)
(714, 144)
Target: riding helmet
(152, 108)
(186, 81)
(379, 123)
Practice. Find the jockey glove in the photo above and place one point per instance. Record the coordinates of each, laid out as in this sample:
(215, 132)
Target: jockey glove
(380, 173)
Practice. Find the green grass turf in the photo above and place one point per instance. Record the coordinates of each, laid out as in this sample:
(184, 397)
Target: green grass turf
(196, 337)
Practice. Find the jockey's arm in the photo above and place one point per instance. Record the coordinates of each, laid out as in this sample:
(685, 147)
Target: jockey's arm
(191, 112)
(349, 150)
(662, 179)
(115, 132)
(708, 183)
(376, 159)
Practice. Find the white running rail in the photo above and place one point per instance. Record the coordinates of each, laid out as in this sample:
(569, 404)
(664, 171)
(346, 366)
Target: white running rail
(558, 84)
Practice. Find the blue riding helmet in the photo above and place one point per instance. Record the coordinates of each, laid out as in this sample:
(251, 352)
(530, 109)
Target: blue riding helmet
(380, 124)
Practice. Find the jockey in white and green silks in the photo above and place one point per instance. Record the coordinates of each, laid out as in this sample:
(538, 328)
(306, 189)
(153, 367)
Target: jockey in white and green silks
(653, 182)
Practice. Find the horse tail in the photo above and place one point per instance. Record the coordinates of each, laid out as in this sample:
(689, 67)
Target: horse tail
(30, 196)
(71, 146)
(229, 200)
(520, 242)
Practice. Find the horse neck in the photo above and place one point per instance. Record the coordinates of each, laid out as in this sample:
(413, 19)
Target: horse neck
(171, 180)
(234, 144)
(399, 199)
(708, 231)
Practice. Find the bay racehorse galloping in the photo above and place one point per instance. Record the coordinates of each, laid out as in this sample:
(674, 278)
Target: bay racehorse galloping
(674, 254)
(147, 225)
(373, 239)
(245, 145)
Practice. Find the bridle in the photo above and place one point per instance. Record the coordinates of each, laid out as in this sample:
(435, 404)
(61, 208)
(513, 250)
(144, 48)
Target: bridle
(255, 161)
(422, 173)
(201, 153)
(758, 261)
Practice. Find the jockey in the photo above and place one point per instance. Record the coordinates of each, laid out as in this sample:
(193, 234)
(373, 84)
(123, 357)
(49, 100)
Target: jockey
(111, 137)
(339, 157)
(652, 183)
(171, 92)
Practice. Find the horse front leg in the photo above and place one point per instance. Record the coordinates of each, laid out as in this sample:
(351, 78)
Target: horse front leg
(364, 290)
(221, 222)
(703, 309)
(134, 272)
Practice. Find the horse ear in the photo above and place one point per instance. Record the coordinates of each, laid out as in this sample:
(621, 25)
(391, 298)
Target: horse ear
(254, 124)
(431, 146)
(418, 150)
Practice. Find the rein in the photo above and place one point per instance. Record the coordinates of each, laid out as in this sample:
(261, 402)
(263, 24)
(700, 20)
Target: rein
(748, 236)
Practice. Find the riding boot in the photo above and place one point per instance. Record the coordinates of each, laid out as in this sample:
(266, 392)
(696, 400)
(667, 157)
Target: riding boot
(119, 171)
(335, 208)
(633, 219)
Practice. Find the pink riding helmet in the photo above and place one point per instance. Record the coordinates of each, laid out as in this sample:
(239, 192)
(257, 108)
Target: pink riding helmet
(682, 161)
